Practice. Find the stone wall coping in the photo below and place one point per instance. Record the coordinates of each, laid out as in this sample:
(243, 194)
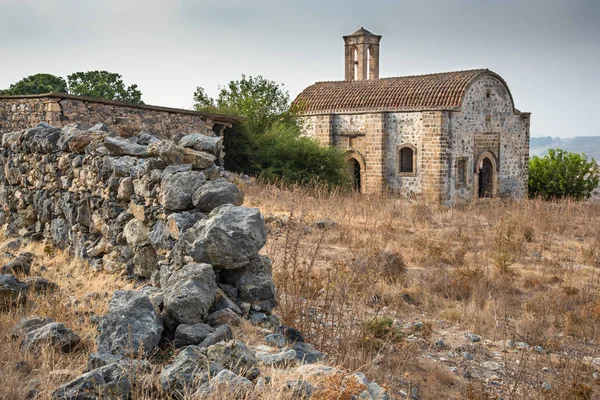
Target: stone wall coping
(215, 117)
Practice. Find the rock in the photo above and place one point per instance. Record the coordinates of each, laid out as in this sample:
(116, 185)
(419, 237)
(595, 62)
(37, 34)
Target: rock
(113, 381)
(292, 335)
(255, 284)
(146, 138)
(210, 144)
(125, 191)
(180, 222)
(97, 360)
(300, 388)
(172, 154)
(28, 324)
(281, 359)
(20, 265)
(226, 385)
(473, 337)
(186, 335)
(144, 261)
(99, 127)
(309, 371)
(41, 285)
(54, 334)
(221, 334)
(12, 291)
(60, 231)
(122, 147)
(189, 293)
(213, 194)
(160, 237)
(235, 356)
(325, 224)
(13, 244)
(177, 189)
(223, 301)
(223, 317)
(257, 318)
(468, 356)
(137, 233)
(187, 372)
(275, 339)
(307, 354)
(228, 238)
(375, 392)
(130, 326)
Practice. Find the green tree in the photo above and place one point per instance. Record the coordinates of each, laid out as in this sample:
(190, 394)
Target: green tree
(103, 85)
(269, 143)
(562, 174)
(37, 84)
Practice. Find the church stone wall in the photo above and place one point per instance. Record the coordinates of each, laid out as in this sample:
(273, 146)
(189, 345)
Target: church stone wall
(487, 122)
(404, 129)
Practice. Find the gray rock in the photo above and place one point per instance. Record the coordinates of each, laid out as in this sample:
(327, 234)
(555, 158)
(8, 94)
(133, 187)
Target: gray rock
(211, 144)
(160, 236)
(189, 292)
(28, 324)
(172, 169)
(229, 237)
(226, 384)
(172, 154)
(257, 318)
(255, 284)
(12, 291)
(99, 127)
(186, 373)
(20, 265)
(112, 381)
(146, 138)
(213, 194)
(125, 191)
(180, 222)
(144, 261)
(186, 335)
(225, 316)
(97, 360)
(281, 359)
(307, 354)
(473, 337)
(467, 356)
(131, 325)
(235, 356)
(137, 233)
(376, 392)
(221, 334)
(300, 388)
(54, 334)
(60, 230)
(122, 147)
(275, 339)
(177, 189)
(222, 301)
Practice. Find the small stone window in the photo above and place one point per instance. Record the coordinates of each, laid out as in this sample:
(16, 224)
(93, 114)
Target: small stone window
(407, 161)
(461, 172)
(488, 93)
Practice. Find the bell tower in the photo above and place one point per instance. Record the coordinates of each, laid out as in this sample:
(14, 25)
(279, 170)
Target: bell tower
(362, 55)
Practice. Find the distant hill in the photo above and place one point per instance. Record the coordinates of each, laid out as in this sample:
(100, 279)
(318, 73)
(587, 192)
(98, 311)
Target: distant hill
(590, 145)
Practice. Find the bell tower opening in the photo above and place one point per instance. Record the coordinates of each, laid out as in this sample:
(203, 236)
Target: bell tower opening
(362, 55)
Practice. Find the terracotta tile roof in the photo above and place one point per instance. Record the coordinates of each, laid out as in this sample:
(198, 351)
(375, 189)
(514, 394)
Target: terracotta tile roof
(443, 91)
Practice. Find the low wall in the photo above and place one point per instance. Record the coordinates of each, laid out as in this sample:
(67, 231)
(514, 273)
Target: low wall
(59, 109)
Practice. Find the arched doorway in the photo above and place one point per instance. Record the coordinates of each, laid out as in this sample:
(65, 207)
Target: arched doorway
(485, 178)
(353, 170)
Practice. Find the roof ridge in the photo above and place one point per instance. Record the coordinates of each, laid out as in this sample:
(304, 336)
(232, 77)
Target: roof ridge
(411, 76)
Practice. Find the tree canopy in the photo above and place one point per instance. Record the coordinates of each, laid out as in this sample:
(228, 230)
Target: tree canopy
(37, 84)
(563, 174)
(103, 85)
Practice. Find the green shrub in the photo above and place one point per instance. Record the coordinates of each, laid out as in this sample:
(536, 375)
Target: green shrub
(562, 174)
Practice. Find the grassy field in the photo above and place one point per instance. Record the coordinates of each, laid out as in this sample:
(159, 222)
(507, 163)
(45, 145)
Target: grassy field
(392, 288)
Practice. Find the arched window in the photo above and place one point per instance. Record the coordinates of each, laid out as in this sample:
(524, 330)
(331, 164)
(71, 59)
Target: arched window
(369, 62)
(355, 64)
(407, 160)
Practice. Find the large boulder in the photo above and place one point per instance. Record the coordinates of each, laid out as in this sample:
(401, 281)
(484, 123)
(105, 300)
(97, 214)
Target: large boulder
(12, 291)
(235, 356)
(198, 141)
(186, 373)
(177, 189)
(54, 334)
(186, 335)
(189, 292)
(215, 193)
(112, 381)
(131, 325)
(255, 284)
(228, 238)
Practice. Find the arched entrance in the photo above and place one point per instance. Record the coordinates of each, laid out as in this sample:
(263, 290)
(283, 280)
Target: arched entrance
(353, 170)
(486, 175)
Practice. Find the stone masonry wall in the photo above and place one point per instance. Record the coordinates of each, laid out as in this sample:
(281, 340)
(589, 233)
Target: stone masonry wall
(125, 119)
(139, 205)
(404, 129)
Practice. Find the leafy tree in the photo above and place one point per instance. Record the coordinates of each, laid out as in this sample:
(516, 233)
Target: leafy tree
(562, 174)
(260, 100)
(103, 85)
(269, 144)
(37, 84)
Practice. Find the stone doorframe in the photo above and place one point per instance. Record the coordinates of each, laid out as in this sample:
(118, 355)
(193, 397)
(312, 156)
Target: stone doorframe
(353, 154)
(490, 156)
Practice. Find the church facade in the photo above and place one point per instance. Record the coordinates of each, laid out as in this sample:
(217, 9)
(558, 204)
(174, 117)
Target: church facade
(448, 138)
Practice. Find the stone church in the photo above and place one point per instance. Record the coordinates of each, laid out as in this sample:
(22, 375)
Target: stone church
(448, 137)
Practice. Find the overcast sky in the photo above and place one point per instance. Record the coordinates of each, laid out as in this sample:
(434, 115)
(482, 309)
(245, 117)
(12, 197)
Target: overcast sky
(548, 51)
